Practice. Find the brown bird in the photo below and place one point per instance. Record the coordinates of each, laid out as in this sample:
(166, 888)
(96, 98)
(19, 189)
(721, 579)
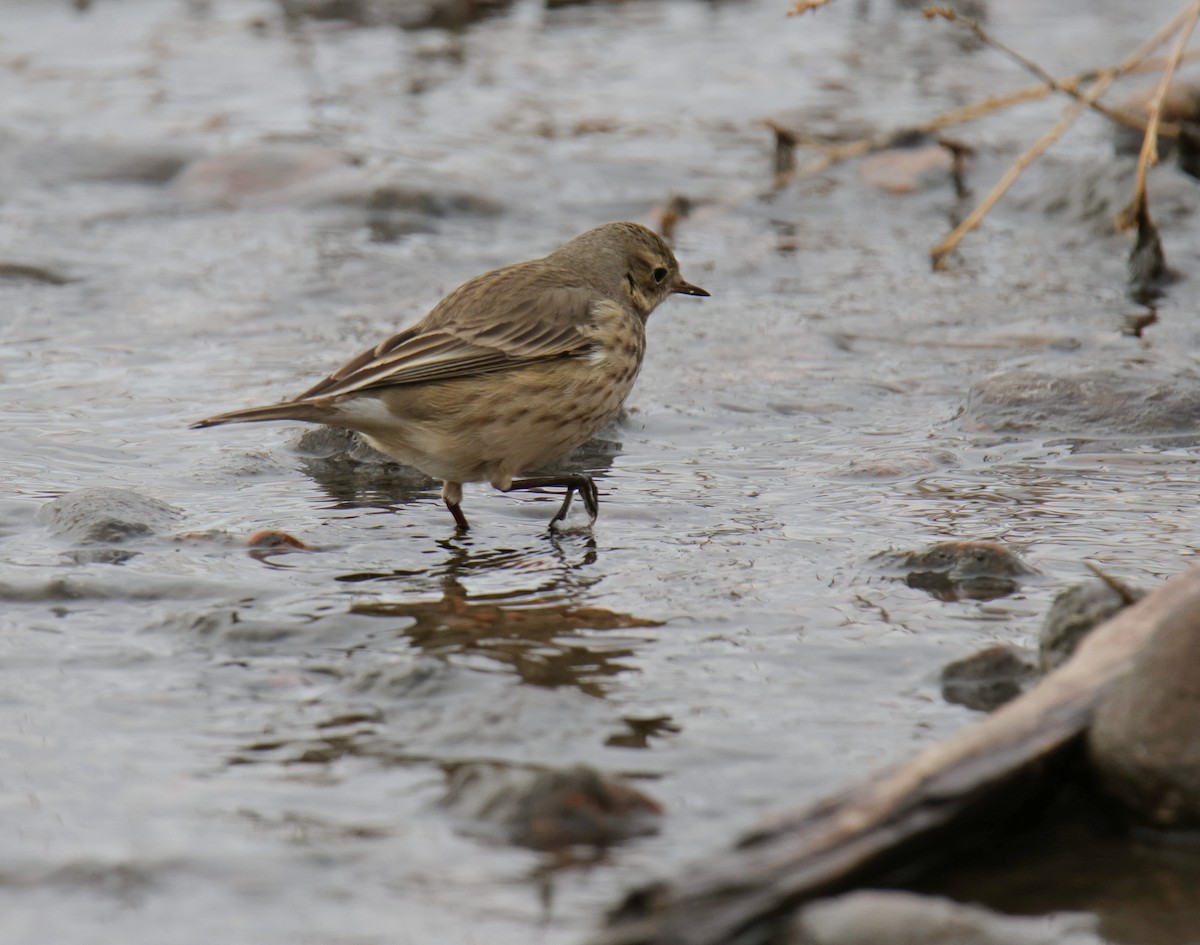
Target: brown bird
(510, 371)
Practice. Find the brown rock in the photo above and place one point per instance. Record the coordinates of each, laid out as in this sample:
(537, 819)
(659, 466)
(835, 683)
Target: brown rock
(1181, 104)
(957, 570)
(907, 170)
(552, 809)
(254, 172)
(1145, 739)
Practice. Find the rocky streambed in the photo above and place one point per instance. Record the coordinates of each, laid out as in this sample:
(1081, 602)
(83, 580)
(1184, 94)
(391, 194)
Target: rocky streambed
(255, 688)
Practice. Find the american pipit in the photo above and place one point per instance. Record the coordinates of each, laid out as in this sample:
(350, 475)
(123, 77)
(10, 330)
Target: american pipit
(510, 371)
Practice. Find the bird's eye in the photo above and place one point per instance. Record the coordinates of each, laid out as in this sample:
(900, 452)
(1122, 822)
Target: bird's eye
(659, 274)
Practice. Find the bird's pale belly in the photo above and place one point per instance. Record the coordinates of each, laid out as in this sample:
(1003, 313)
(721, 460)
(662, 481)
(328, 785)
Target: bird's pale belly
(495, 427)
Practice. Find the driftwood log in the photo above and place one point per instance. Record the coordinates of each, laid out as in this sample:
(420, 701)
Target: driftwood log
(890, 821)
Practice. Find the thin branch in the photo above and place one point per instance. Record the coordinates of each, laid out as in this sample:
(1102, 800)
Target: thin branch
(1068, 86)
(803, 6)
(1137, 209)
(835, 154)
(939, 253)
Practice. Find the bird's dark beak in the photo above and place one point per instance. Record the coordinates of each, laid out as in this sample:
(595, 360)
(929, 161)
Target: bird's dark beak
(686, 288)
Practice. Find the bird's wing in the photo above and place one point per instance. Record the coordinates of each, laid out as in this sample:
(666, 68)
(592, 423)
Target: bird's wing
(482, 326)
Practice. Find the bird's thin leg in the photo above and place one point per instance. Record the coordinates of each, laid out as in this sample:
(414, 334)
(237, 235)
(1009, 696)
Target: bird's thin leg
(452, 496)
(584, 485)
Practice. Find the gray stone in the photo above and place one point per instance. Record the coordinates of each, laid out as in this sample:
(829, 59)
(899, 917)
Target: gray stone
(876, 917)
(957, 570)
(986, 680)
(274, 173)
(1093, 401)
(552, 808)
(55, 160)
(106, 515)
(1073, 615)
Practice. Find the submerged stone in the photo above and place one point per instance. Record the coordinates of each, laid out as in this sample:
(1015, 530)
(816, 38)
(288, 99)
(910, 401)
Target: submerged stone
(1094, 401)
(987, 679)
(104, 514)
(256, 173)
(552, 809)
(954, 570)
(1180, 106)
(907, 170)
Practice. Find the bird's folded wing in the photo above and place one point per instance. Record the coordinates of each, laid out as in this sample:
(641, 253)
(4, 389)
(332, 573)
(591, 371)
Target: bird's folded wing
(546, 326)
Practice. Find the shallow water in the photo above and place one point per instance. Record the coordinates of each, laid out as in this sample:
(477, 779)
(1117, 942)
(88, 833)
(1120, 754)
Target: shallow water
(202, 743)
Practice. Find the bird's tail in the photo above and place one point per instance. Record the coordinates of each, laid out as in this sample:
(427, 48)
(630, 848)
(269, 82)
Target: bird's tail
(312, 411)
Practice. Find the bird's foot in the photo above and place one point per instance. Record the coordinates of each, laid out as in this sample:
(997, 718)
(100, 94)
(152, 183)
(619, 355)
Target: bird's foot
(584, 485)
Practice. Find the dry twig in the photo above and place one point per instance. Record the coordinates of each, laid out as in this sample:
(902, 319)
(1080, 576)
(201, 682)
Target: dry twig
(803, 6)
(1137, 210)
(1068, 86)
(1106, 77)
(835, 154)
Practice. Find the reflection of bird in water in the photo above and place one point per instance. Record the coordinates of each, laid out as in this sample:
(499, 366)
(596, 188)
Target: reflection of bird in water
(529, 618)
(553, 568)
(534, 639)
(511, 371)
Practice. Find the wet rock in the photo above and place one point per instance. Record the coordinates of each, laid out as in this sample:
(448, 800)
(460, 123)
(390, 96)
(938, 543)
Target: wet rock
(57, 160)
(406, 14)
(338, 446)
(273, 538)
(265, 540)
(1181, 105)
(329, 180)
(907, 170)
(1143, 741)
(259, 173)
(954, 570)
(1118, 399)
(877, 917)
(894, 467)
(379, 194)
(1074, 614)
(106, 515)
(350, 470)
(390, 227)
(987, 679)
(551, 809)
